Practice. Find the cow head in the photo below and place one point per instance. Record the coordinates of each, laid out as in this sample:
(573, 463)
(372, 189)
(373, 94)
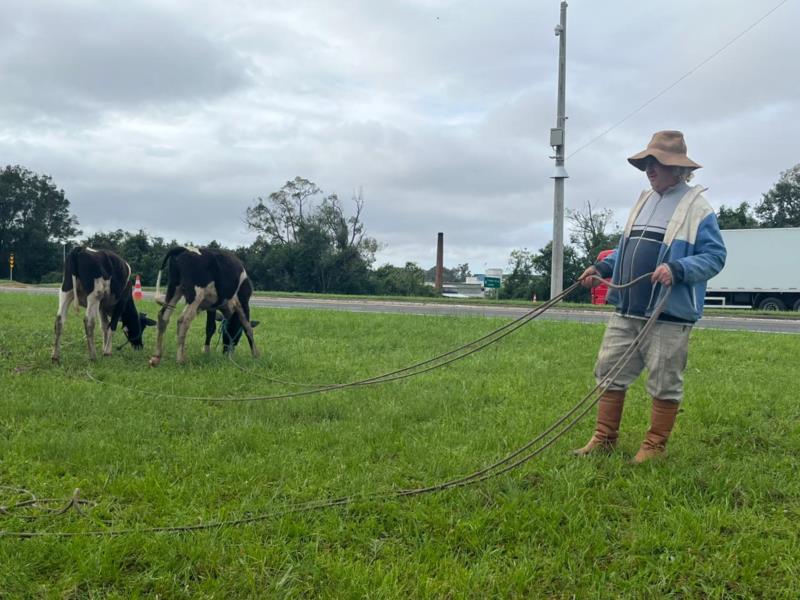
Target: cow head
(133, 324)
(231, 331)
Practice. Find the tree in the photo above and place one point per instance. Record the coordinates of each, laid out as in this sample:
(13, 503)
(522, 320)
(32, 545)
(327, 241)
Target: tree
(279, 217)
(316, 247)
(736, 218)
(573, 267)
(457, 274)
(521, 281)
(530, 274)
(462, 272)
(106, 240)
(34, 223)
(144, 253)
(402, 281)
(780, 207)
(589, 232)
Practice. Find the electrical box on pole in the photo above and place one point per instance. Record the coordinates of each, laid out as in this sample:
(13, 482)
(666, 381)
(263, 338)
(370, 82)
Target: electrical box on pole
(557, 141)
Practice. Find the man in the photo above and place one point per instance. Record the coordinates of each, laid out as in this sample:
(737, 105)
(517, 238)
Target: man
(672, 232)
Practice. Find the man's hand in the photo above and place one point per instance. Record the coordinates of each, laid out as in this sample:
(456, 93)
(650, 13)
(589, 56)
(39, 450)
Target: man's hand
(662, 275)
(586, 280)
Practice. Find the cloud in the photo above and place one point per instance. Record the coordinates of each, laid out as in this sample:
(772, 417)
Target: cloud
(76, 61)
(174, 116)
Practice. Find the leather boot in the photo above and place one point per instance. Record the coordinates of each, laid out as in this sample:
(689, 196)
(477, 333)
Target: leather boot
(609, 415)
(661, 421)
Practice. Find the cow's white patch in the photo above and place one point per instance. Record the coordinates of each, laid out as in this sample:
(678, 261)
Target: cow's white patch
(193, 249)
(208, 296)
(91, 250)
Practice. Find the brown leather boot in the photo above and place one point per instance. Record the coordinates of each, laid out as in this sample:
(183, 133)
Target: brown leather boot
(609, 415)
(661, 421)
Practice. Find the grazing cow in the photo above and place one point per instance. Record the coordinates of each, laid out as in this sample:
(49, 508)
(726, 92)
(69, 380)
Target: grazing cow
(99, 280)
(212, 280)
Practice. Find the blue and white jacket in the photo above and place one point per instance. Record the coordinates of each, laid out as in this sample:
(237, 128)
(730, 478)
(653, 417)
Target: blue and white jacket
(692, 248)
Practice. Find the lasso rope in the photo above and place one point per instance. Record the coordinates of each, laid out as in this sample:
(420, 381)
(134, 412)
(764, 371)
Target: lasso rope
(510, 462)
(403, 373)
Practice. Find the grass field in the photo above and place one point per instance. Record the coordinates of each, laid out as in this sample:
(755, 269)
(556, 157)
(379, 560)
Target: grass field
(718, 518)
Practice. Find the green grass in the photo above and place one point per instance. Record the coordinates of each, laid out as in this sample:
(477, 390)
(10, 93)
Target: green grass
(717, 518)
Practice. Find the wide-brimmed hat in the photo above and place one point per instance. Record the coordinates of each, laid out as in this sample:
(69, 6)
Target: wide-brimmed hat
(668, 148)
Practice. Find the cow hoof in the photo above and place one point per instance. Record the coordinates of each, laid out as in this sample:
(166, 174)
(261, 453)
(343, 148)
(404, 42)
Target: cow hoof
(154, 361)
(55, 359)
(106, 353)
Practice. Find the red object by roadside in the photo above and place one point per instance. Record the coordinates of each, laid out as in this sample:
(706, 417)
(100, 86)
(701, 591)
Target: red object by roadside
(600, 292)
(137, 289)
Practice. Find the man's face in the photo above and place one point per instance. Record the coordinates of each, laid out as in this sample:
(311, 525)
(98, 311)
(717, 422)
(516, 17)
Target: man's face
(661, 178)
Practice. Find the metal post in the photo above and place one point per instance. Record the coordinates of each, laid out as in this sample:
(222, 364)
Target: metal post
(557, 139)
(439, 261)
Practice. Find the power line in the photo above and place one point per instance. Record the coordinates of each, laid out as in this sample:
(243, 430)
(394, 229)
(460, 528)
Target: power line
(677, 81)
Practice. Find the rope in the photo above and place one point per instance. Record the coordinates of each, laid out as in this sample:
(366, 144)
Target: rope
(403, 373)
(510, 462)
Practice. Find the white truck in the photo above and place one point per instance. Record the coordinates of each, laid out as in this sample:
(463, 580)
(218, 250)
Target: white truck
(762, 270)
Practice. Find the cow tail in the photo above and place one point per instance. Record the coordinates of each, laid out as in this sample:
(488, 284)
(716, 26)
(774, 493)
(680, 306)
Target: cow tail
(170, 254)
(158, 298)
(72, 259)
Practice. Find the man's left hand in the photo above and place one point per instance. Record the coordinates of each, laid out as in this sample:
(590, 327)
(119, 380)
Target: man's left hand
(662, 275)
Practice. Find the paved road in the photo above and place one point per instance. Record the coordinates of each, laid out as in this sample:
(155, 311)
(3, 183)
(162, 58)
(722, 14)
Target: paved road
(488, 310)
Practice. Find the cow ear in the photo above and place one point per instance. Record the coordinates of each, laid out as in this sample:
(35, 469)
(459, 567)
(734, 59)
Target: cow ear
(254, 324)
(149, 322)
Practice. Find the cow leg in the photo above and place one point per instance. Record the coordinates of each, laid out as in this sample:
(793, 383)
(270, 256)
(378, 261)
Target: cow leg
(64, 300)
(107, 334)
(211, 327)
(248, 329)
(163, 320)
(92, 312)
(186, 318)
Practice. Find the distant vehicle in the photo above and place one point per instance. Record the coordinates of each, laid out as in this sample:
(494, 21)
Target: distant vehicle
(600, 292)
(462, 290)
(761, 270)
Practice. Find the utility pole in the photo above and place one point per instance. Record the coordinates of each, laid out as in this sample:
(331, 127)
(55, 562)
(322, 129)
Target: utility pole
(557, 137)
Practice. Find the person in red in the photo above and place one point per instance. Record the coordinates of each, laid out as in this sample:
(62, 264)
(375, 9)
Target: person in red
(672, 234)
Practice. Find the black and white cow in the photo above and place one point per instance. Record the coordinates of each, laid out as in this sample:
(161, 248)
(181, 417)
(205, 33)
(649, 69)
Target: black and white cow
(99, 280)
(209, 279)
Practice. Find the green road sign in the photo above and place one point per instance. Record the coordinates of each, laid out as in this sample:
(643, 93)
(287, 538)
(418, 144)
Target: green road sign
(491, 282)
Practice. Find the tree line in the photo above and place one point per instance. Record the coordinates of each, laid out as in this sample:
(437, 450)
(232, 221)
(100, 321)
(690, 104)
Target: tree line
(308, 242)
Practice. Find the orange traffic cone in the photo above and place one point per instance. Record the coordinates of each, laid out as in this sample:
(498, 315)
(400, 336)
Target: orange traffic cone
(137, 289)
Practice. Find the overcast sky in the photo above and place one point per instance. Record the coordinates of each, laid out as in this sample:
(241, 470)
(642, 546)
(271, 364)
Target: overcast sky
(175, 116)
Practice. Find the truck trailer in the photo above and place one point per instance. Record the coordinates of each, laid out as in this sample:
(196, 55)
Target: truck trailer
(761, 270)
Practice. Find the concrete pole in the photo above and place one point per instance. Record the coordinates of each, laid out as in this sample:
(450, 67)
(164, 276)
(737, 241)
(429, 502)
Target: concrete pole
(439, 261)
(557, 139)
